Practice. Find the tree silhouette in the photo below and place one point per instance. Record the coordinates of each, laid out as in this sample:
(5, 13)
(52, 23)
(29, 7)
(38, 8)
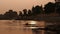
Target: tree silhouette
(1, 16)
(25, 15)
(33, 8)
(57, 7)
(34, 13)
(20, 13)
(49, 8)
(25, 11)
(37, 9)
(29, 12)
(11, 14)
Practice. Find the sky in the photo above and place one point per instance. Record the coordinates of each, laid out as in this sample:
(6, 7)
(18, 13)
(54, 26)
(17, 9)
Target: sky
(19, 5)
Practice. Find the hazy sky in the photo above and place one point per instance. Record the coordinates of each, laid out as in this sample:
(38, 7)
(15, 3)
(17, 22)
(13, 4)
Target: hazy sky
(17, 5)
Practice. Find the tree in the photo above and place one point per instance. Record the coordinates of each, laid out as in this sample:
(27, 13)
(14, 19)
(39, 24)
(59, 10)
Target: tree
(29, 12)
(37, 9)
(25, 11)
(25, 15)
(57, 7)
(20, 13)
(49, 8)
(11, 14)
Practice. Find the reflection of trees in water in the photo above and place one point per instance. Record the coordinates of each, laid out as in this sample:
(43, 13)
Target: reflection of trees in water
(11, 28)
(54, 28)
(12, 23)
(16, 25)
(19, 25)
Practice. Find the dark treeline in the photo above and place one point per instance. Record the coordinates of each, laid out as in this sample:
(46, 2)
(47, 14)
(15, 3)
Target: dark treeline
(50, 9)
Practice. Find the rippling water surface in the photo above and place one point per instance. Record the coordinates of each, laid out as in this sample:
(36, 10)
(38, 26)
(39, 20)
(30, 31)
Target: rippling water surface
(17, 26)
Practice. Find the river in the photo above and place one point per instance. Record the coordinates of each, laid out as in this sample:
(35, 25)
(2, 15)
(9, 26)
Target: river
(19, 27)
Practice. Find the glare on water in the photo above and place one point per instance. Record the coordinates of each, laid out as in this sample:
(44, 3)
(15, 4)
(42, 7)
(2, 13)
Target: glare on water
(18, 27)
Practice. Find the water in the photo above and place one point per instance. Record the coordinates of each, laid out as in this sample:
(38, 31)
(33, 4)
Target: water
(19, 27)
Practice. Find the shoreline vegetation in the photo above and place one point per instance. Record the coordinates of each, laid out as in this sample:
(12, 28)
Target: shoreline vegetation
(51, 11)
